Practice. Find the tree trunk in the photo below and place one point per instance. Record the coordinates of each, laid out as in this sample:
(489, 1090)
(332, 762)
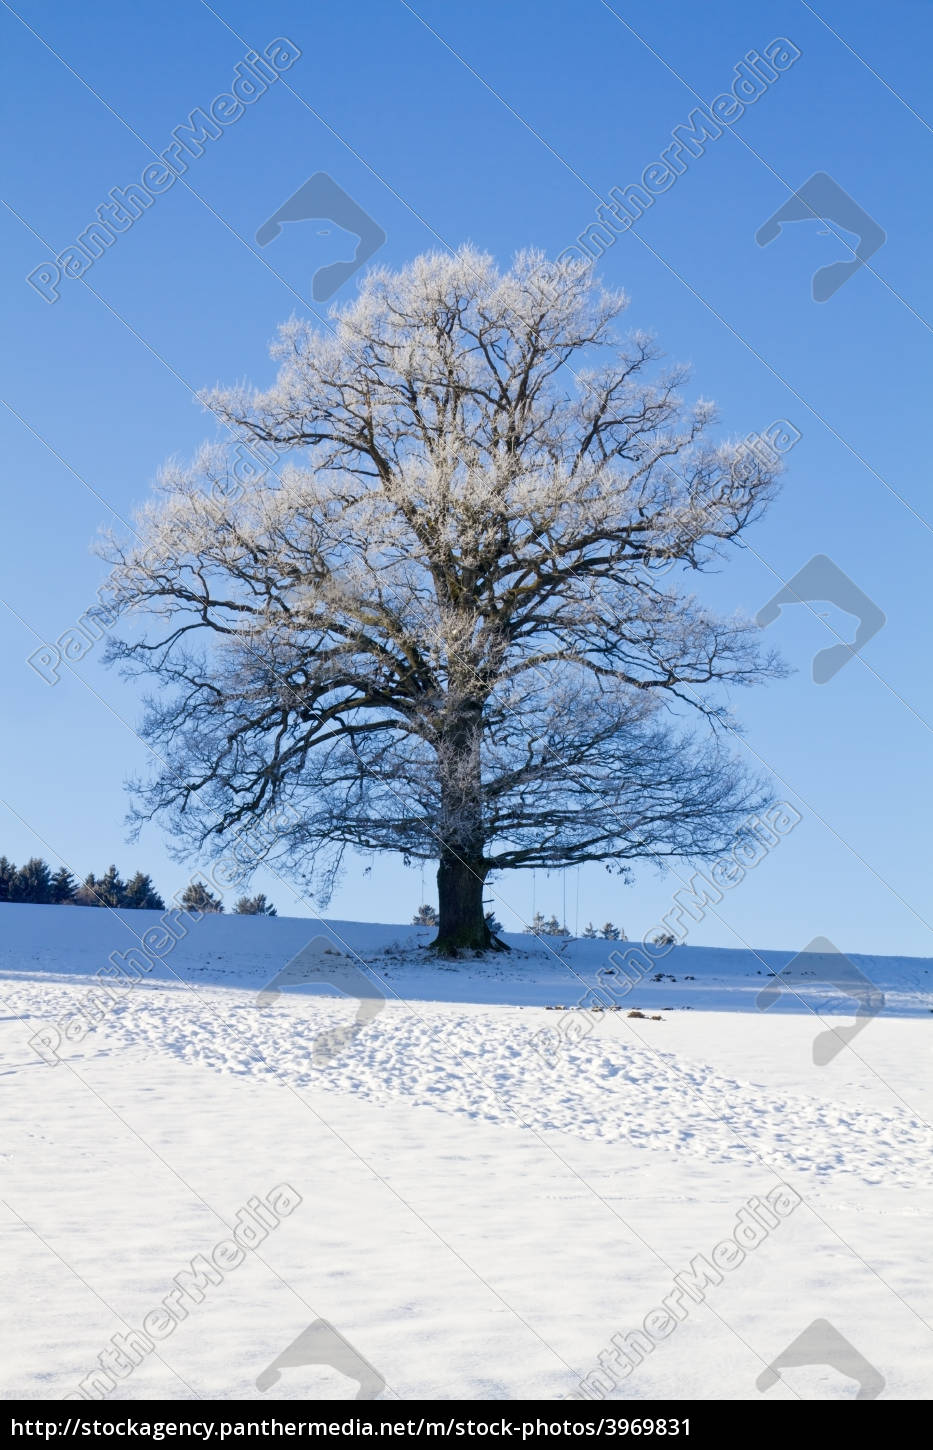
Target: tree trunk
(461, 875)
(461, 919)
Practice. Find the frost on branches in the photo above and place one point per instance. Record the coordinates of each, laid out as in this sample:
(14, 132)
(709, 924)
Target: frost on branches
(446, 624)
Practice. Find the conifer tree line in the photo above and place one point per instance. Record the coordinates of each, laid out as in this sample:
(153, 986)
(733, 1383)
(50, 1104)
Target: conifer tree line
(540, 925)
(36, 884)
(549, 926)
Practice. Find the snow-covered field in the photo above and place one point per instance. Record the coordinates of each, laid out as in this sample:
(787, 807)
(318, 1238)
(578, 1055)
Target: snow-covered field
(482, 1192)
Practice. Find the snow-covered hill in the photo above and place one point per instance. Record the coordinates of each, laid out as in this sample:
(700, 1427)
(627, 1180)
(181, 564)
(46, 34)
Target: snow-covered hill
(484, 1190)
(243, 951)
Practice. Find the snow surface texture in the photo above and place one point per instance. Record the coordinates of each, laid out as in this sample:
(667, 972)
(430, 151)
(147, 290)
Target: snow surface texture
(489, 1190)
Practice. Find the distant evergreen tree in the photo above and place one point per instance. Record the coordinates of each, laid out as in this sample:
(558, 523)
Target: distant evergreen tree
(7, 877)
(110, 889)
(36, 883)
(86, 894)
(140, 895)
(33, 883)
(196, 897)
(663, 939)
(255, 906)
(610, 932)
(425, 916)
(546, 926)
(590, 932)
(64, 887)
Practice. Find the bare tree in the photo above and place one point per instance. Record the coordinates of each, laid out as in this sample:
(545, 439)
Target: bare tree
(447, 625)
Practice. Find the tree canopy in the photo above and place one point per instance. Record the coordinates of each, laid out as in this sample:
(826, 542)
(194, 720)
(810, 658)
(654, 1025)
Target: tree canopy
(446, 623)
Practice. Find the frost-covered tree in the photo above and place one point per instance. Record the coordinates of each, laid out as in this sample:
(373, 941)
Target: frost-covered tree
(589, 932)
(110, 888)
(106, 890)
(447, 625)
(7, 878)
(425, 916)
(63, 887)
(140, 894)
(610, 932)
(86, 894)
(32, 883)
(255, 906)
(198, 897)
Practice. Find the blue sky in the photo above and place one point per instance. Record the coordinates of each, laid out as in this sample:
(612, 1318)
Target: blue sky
(102, 380)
